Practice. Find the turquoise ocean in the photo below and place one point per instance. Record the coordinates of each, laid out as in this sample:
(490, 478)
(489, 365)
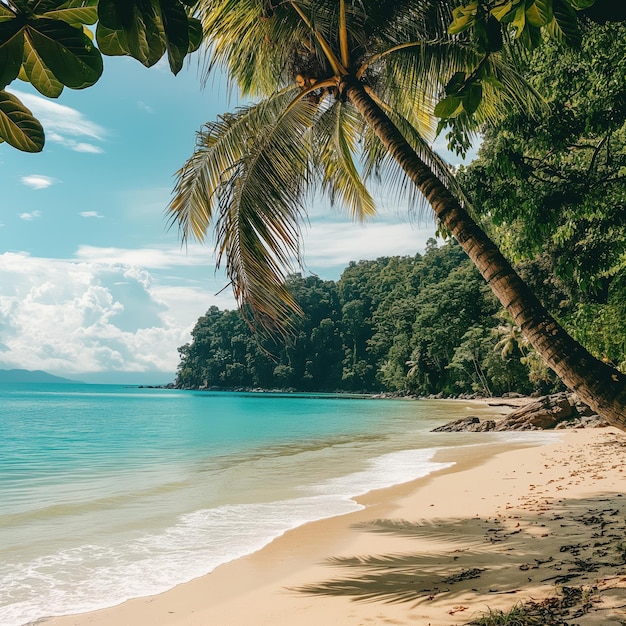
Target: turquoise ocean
(110, 492)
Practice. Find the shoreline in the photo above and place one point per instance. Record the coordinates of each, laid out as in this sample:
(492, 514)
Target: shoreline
(415, 557)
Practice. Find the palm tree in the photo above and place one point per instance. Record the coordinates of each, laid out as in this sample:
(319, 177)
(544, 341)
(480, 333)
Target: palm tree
(511, 337)
(333, 79)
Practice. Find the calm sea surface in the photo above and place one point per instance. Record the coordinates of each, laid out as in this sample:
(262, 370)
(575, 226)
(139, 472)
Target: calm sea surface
(108, 493)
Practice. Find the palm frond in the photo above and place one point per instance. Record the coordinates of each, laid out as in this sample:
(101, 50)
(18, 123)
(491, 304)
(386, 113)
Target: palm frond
(220, 145)
(336, 135)
(384, 169)
(250, 171)
(260, 212)
(411, 79)
(248, 175)
(256, 48)
(514, 92)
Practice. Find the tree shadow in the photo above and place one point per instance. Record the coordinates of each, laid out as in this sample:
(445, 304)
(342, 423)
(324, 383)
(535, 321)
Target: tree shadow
(566, 542)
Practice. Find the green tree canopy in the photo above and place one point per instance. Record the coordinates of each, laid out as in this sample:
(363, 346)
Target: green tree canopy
(395, 324)
(558, 185)
(553, 193)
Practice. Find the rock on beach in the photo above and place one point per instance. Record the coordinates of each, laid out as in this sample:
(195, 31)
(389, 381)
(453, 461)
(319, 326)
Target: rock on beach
(561, 410)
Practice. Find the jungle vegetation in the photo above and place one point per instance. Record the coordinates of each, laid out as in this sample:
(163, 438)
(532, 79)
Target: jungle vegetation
(345, 92)
(424, 324)
(551, 194)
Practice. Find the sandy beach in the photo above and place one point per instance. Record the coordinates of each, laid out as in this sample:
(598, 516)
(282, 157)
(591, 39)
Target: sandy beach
(495, 530)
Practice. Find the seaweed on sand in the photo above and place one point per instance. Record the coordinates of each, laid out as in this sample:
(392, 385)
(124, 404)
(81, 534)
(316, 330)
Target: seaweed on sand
(569, 603)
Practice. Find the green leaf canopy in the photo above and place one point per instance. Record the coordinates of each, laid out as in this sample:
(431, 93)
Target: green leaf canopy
(18, 127)
(47, 43)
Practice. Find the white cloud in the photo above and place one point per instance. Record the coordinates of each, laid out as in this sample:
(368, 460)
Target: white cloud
(123, 310)
(63, 124)
(145, 107)
(85, 147)
(37, 181)
(69, 316)
(29, 217)
(89, 214)
(334, 245)
(153, 258)
(72, 144)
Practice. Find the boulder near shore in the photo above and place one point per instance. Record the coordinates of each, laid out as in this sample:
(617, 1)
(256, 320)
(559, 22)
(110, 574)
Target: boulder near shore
(560, 410)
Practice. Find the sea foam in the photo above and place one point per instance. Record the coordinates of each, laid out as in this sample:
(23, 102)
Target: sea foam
(93, 576)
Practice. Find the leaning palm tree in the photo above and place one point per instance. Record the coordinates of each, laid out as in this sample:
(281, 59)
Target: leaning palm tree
(343, 93)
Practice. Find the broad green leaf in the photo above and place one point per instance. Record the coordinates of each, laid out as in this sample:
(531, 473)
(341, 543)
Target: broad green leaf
(448, 107)
(11, 50)
(581, 5)
(531, 36)
(141, 24)
(176, 32)
(75, 12)
(111, 42)
(564, 26)
(508, 16)
(146, 37)
(473, 97)
(479, 34)
(116, 14)
(500, 11)
(462, 18)
(18, 127)
(38, 74)
(535, 17)
(519, 21)
(66, 51)
(544, 7)
(493, 34)
(455, 84)
(195, 33)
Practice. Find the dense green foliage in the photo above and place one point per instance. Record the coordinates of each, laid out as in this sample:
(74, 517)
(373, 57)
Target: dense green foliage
(553, 193)
(50, 44)
(513, 26)
(420, 324)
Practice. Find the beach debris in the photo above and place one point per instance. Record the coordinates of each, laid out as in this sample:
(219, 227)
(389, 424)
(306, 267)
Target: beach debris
(466, 574)
(568, 603)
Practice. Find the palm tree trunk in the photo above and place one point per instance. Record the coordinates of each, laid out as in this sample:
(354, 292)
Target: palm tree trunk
(597, 384)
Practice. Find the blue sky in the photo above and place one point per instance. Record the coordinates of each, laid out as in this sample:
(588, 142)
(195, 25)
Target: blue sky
(93, 284)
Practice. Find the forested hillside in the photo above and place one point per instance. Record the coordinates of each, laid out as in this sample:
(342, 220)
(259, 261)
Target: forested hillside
(423, 324)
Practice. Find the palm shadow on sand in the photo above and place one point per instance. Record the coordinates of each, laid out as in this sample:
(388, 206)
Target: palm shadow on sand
(565, 543)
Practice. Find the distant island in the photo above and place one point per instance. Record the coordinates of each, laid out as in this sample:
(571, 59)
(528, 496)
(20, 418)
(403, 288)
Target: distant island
(29, 376)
